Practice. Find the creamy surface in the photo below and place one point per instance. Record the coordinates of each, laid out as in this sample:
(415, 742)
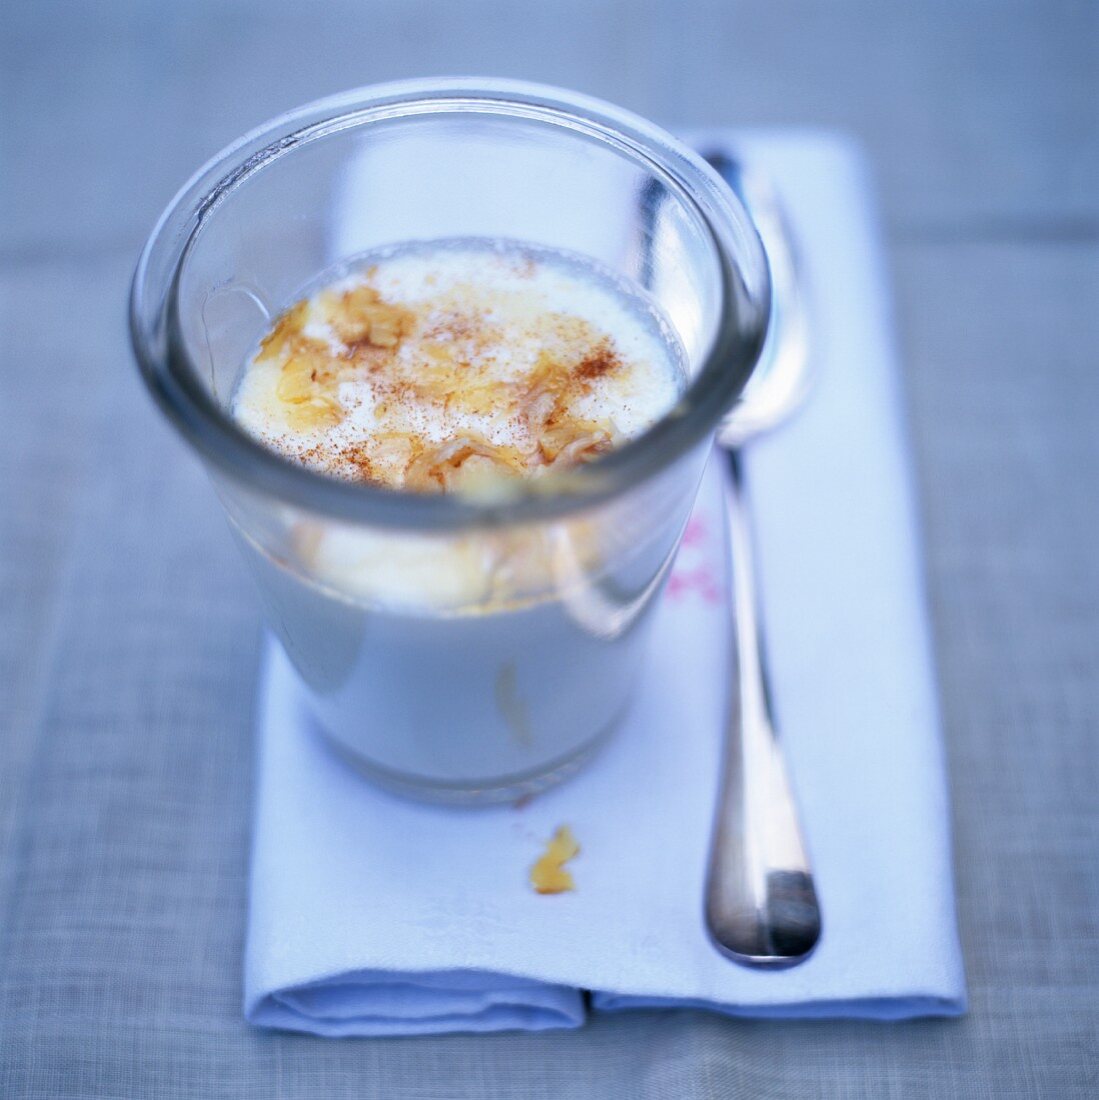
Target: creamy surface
(435, 367)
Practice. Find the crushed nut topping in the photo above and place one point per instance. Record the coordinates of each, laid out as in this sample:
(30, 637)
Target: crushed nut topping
(455, 386)
(359, 316)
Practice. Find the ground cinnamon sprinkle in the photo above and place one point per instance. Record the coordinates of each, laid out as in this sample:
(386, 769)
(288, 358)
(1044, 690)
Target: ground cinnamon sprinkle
(599, 362)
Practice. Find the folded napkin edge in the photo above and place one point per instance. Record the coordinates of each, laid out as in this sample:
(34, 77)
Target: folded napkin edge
(885, 1009)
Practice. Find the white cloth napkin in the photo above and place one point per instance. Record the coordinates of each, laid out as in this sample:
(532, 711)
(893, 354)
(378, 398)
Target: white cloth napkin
(371, 915)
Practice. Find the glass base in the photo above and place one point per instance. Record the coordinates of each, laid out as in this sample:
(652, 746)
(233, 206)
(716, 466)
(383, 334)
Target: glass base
(473, 792)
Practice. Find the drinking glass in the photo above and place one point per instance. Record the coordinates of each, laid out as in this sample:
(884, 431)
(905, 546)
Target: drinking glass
(456, 647)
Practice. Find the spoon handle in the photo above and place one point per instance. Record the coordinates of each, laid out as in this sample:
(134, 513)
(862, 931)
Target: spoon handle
(761, 902)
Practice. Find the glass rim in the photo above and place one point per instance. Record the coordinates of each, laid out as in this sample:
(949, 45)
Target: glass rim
(172, 376)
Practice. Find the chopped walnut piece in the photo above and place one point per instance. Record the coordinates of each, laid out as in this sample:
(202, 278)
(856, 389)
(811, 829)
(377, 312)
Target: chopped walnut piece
(394, 448)
(479, 399)
(539, 407)
(308, 384)
(574, 440)
(297, 382)
(460, 462)
(548, 875)
(582, 449)
(319, 412)
(287, 330)
(360, 316)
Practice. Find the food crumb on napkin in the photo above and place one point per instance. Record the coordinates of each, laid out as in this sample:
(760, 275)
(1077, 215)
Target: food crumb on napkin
(548, 875)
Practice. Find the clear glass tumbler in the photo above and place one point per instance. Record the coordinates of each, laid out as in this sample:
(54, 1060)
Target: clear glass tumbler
(480, 648)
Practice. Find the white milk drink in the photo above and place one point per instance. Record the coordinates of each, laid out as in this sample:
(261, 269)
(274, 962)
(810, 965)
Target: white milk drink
(475, 662)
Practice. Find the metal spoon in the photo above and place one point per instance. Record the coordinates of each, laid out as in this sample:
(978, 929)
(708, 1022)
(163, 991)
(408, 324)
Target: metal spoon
(761, 902)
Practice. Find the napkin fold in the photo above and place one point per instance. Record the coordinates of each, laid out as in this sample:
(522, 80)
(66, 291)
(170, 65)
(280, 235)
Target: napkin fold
(372, 915)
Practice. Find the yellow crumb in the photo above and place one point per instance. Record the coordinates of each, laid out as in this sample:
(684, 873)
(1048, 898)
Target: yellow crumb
(548, 875)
